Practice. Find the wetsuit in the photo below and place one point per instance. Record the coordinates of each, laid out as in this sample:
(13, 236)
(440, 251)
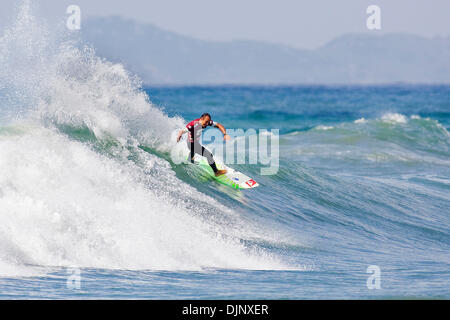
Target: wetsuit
(193, 141)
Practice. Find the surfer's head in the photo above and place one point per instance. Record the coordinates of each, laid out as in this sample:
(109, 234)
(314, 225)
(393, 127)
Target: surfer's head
(205, 120)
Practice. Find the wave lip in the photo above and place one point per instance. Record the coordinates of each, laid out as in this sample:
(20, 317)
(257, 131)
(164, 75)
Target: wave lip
(392, 138)
(322, 127)
(394, 118)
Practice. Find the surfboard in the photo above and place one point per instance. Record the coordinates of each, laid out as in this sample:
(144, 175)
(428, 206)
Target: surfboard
(233, 178)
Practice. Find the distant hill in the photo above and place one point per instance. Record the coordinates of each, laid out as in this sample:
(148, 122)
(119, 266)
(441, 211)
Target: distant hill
(162, 57)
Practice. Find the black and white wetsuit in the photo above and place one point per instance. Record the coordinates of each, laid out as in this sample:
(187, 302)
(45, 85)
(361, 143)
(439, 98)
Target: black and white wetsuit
(193, 141)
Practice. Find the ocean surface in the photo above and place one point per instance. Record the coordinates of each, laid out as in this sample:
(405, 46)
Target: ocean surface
(93, 204)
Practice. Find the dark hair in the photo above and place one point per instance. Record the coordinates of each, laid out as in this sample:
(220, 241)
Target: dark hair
(206, 114)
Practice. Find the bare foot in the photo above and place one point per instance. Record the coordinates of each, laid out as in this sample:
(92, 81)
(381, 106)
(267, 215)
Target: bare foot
(220, 172)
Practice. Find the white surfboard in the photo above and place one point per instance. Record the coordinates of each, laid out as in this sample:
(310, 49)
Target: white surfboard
(233, 178)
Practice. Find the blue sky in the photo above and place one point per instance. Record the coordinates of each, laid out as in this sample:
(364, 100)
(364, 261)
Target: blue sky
(298, 23)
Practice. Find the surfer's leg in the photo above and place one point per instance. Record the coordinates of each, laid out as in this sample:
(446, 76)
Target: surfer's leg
(209, 157)
(196, 147)
(192, 148)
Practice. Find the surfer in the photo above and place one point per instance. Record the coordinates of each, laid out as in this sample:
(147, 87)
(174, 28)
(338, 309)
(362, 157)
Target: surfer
(194, 130)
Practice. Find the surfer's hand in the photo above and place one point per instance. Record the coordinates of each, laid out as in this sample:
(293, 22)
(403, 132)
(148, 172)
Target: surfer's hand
(180, 134)
(226, 137)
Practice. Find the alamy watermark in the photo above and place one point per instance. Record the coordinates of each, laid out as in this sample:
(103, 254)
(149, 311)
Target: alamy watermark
(73, 281)
(373, 22)
(374, 280)
(250, 146)
(73, 22)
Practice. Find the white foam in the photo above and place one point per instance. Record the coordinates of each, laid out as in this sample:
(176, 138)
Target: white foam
(361, 120)
(322, 127)
(63, 204)
(394, 118)
(65, 83)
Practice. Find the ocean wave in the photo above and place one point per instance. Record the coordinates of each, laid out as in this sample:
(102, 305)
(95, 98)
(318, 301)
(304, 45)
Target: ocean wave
(394, 118)
(64, 203)
(392, 137)
(322, 127)
(360, 120)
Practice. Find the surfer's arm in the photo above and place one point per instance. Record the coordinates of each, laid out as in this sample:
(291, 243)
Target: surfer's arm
(180, 134)
(223, 130)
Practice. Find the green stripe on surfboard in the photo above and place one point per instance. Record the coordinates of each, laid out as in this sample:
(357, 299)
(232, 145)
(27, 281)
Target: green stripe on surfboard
(232, 178)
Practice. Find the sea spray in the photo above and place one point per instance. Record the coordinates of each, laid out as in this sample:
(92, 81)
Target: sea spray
(69, 202)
